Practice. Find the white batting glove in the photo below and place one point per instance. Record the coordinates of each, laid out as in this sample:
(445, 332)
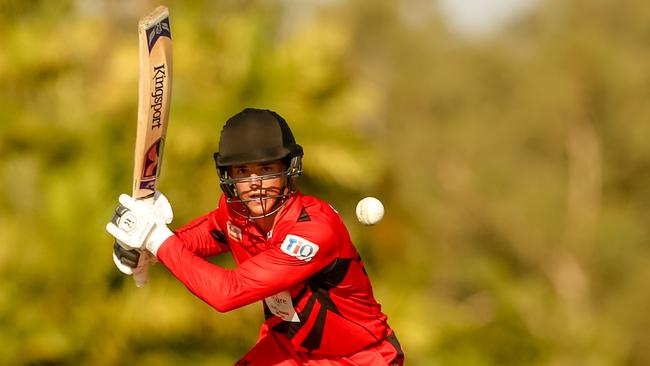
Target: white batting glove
(129, 260)
(137, 225)
(163, 208)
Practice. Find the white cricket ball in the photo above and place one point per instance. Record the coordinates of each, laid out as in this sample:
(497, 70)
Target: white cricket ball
(370, 211)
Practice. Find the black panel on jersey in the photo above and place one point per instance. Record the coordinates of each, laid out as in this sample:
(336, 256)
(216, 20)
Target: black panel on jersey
(219, 236)
(392, 339)
(363, 268)
(315, 335)
(304, 216)
(267, 312)
(332, 275)
(320, 284)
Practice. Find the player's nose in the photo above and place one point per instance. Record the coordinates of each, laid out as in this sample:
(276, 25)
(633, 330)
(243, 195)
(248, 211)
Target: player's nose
(255, 182)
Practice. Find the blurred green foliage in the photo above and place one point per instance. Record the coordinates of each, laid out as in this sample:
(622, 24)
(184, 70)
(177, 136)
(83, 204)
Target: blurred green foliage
(514, 168)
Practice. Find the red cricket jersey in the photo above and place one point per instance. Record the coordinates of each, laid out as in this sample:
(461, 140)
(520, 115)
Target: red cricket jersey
(315, 289)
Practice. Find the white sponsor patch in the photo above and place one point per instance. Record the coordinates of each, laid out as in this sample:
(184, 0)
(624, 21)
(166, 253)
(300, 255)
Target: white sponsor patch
(298, 247)
(233, 231)
(280, 305)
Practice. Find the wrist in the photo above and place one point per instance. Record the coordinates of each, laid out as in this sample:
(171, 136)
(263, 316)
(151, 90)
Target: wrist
(157, 238)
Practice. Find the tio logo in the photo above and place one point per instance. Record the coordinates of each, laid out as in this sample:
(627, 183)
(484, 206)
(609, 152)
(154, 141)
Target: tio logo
(299, 247)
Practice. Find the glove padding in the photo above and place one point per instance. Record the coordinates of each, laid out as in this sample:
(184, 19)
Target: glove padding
(138, 224)
(128, 260)
(125, 257)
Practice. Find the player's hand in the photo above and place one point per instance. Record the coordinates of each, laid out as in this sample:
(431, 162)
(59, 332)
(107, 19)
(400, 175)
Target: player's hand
(138, 225)
(127, 260)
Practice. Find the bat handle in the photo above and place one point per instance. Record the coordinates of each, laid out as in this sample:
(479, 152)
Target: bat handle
(140, 276)
(141, 272)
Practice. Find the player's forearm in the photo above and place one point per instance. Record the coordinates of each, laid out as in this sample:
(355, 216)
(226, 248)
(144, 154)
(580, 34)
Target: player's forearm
(221, 288)
(199, 239)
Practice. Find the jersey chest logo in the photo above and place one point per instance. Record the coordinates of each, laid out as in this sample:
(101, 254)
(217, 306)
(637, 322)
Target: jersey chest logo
(234, 232)
(298, 247)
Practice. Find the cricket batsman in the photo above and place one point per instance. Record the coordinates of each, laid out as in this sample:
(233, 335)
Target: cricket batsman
(293, 253)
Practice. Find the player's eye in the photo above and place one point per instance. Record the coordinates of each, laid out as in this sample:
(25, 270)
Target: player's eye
(271, 169)
(240, 172)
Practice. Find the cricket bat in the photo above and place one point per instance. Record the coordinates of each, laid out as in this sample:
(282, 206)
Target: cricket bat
(154, 97)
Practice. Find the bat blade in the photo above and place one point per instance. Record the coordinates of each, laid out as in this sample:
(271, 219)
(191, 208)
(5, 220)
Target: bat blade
(153, 101)
(155, 86)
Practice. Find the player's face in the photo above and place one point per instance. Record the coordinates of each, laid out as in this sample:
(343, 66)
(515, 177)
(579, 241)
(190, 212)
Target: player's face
(259, 195)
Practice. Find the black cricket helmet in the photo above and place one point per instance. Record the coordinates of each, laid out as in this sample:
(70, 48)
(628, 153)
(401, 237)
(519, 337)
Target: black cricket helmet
(257, 136)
